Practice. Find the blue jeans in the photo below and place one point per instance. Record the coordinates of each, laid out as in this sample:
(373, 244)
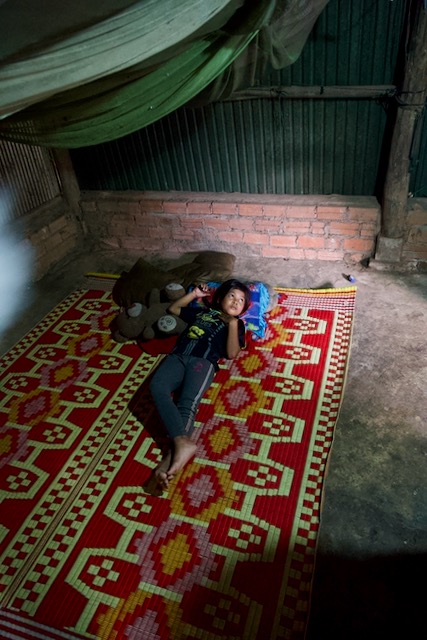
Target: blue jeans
(190, 377)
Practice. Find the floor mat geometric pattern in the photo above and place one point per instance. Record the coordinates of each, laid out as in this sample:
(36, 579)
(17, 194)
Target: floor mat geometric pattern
(228, 552)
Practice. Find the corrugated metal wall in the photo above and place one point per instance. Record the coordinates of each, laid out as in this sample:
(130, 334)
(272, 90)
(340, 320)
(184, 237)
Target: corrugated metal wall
(28, 177)
(256, 146)
(276, 145)
(354, 42)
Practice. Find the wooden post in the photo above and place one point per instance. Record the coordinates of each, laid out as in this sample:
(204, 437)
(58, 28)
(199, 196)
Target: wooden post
(69, 184)
(410, 107)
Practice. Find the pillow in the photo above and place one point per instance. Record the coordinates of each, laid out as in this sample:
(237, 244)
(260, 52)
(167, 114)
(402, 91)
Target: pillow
(254, 317)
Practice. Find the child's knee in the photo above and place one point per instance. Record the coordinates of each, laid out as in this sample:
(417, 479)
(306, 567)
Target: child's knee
(155, 387)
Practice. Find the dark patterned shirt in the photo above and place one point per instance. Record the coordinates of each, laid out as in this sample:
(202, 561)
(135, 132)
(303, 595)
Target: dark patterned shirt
(206, 335)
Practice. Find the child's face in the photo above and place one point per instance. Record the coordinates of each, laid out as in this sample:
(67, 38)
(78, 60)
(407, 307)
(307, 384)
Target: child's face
(234, 302)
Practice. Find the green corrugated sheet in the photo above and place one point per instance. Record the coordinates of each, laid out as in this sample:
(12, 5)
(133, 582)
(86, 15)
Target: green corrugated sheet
(278, 145)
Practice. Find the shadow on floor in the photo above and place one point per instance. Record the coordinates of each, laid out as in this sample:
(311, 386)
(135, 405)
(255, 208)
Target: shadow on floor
(382, 597)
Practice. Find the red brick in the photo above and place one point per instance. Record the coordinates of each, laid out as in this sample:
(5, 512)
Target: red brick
(333, 243)
(128, 207)
(282, 241)
(344, 228)
(68, 243)
(296, 254)
(192, 222)
(184, 234)
(118, 218)
(358, 244)
(244, 224)
(176, 248)
(369, 229)
(88, 207)
(119, 230)
(311, 242)
(330, 255)
(230, 236)
(416, 217)
(275, 252)
(331, 214)
(363, 215)
(300, 211)
(326, 209)
(418, 235)
(151, 205)
(310, 254)
(112, 243)
(138, 243)
(58, 224)
(318, 230)
(274, 210)
(224, 208)
(415, 254)
(355, 258)
(295, 227)
(158, 232)
(267, 225)
(141, 218)
(413, 247)
(175, 207)
(254, 250)
(107, 205)
(255, 238)
(250, 210)
(199, 207)
(318, 227)
(154, 219)
(217, 223)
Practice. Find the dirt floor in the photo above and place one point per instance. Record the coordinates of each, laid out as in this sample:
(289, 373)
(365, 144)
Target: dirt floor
(372, 549)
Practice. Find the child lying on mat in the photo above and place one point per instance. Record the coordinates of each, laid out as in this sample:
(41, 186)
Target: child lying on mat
(213, 332)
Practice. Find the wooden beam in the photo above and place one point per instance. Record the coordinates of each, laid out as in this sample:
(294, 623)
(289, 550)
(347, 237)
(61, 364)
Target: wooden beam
(410, 105)
(69, 185)
(312, 92)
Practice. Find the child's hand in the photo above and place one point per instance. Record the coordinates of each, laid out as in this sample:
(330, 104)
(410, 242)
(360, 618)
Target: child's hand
(201, 290)
(228, 319)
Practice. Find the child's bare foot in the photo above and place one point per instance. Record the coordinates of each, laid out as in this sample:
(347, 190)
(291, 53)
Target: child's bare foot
(161, 471)
(184, 450)
(158, 481)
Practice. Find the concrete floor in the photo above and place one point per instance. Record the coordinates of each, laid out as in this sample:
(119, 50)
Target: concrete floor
(372, 550)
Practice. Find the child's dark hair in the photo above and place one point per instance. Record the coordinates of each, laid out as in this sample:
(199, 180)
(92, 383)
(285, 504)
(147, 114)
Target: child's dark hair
(225, 287)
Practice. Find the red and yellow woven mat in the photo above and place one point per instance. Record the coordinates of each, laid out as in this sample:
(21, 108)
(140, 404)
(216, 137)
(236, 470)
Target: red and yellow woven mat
(228, 552)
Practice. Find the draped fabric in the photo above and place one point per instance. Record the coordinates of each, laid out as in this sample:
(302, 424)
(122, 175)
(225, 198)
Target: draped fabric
(86, 74)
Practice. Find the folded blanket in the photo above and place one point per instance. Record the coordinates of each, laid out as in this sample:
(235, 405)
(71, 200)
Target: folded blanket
(133, 286)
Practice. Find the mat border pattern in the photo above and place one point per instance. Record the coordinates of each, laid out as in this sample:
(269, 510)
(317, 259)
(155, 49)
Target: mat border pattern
(293, 602)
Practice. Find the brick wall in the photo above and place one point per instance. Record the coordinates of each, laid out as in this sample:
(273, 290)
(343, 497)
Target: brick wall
(53, 232)
(294, 227)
